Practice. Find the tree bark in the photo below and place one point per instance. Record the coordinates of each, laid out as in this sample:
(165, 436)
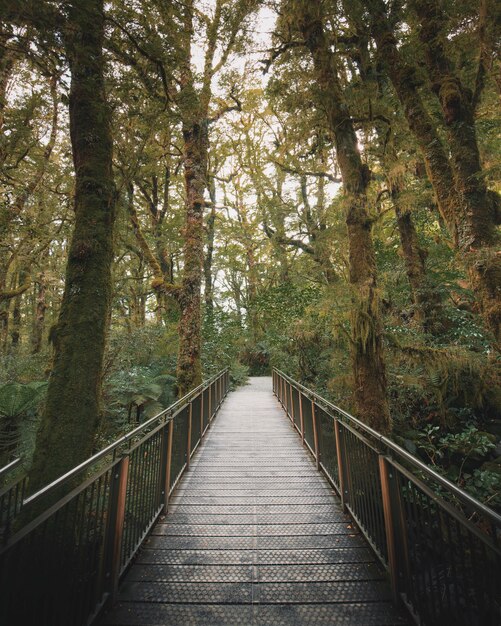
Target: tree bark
(208, 278)
(478, 239)
(196, 145)
(40, 308)
(366, 326)
(474, 241)
(15, 331)
(427, 305)
(72, 410)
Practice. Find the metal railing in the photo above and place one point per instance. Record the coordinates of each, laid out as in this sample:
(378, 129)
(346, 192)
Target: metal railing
(61, 567)
(440, 546)
(11, 497)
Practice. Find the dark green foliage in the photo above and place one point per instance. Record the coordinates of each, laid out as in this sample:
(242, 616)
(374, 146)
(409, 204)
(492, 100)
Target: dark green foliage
(266, 219)
(18, 418)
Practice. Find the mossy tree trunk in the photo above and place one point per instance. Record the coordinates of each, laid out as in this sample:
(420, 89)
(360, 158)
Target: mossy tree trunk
(428, 309)
(473, 235)
(209, 255)
(40, 309)
(366, 326)
(405, 82)
(426, 300)
(196, 147)
(478, 238)
(72, 410)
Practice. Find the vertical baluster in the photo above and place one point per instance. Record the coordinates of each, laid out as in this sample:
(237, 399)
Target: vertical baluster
(201, 415)
(190, 419)
(209, 414)
(315, 434)
(385, 476)
(301, 418)
(115, 527)
(168, 463)
(341, 469)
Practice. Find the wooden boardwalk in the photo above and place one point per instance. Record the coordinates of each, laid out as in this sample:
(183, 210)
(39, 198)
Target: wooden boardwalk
(254, 536)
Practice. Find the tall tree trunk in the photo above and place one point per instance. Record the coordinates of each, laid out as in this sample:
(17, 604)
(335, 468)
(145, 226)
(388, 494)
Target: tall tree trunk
(194, 111)
(426, 300)
(474, 243)
(478, 238)
(71, 414)
(427, 305)
(15, 331)
(7, 58)
(196, 146)
(208, 279)
(40, 308)
(366, 325)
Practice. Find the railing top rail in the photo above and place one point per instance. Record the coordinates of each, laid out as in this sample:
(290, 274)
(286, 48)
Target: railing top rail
(166, 413)
(394, 447)
(10, 466)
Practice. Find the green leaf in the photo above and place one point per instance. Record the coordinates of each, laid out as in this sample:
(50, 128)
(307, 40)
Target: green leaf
(16, 398)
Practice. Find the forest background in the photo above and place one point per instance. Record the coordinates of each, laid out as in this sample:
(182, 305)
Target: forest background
(192, 185)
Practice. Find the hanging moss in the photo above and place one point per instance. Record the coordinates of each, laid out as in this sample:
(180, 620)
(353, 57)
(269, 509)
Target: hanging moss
(366, 328)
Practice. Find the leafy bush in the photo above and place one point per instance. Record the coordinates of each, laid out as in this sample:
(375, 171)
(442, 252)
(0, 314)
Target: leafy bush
(139, 393)
(238, 374)
(18, 417)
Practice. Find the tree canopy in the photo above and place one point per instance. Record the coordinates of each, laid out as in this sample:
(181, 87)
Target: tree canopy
(307, 185)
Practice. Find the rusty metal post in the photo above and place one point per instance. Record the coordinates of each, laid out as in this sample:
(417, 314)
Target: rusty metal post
(190, 420)
(385, 477)
(115, 529)
(315, 434)
(340, 464)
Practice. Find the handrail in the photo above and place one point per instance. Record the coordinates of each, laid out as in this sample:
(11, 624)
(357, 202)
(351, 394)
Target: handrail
(63, 566)
(121, 441)
(10, 466)
(394, 447)
(444, 566)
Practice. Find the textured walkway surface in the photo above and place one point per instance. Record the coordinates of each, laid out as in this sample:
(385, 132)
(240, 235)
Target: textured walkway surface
(254, 536)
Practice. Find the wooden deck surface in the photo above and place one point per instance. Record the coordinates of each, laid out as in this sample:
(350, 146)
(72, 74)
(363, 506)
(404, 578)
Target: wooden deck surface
(254, 536)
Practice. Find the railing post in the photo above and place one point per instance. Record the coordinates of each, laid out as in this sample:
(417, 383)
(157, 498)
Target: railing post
(292, 405)
(168, 463)
(341, 467)
(115, 527)
(209, 413)
(315, 434)
(301, 418)
(190, 421)
(163, 463)
(385, 476)
(201, 415)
